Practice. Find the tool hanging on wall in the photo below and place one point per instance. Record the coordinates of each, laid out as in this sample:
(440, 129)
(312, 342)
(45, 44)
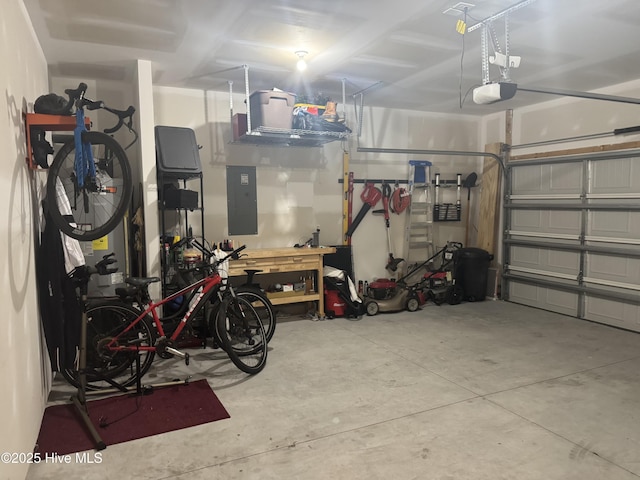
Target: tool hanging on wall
(400, 199)
(392, 263)
(468, 183)
(370, 197)
(350, 204)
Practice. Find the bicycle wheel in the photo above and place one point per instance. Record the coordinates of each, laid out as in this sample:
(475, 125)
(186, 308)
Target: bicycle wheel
(262, 306)
(241, 334)
(104, 322)
(94, 210)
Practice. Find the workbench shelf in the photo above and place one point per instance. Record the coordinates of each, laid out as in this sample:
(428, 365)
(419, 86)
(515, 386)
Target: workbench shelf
(284, 261)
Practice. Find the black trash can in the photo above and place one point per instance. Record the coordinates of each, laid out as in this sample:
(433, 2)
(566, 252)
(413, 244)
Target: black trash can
(472, 272)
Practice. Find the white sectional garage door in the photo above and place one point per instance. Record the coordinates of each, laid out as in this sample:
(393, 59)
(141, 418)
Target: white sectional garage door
(572, 236)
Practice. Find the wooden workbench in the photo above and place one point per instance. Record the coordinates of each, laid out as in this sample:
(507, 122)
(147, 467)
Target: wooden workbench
(283, 260)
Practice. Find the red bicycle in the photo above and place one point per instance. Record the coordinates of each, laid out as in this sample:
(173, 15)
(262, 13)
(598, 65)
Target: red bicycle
(123, 337)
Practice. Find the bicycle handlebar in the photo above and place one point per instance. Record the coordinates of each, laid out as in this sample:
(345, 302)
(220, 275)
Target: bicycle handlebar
(191, 241)
(234, 254)
(77, 93)
(180, 243)
(102, 267)
(77, 96)
(84, 272)
(122, 115)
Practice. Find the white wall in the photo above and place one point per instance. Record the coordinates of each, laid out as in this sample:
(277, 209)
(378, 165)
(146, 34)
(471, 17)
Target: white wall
(24, 367)
(558, 118)
(286, 217)
(404, 129)
(565, 117)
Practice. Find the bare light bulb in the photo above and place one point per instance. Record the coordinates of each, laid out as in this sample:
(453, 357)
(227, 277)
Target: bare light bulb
(301, 65)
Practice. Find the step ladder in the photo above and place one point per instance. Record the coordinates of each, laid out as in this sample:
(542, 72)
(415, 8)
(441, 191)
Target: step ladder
(419, 241)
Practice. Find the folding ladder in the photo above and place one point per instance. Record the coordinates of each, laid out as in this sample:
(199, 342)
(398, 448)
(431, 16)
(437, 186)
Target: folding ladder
(419, 241)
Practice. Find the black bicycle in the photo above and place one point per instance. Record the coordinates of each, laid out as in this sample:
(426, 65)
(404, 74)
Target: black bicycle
(249, 290)
(89, 185)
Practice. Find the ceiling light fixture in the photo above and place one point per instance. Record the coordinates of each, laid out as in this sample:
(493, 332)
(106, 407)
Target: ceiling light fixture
(301, 65)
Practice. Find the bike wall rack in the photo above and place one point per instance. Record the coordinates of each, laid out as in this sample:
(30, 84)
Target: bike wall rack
(48, 123)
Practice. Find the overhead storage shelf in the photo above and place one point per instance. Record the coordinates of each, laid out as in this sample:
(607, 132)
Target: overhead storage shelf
(289, 138)
(271, 110)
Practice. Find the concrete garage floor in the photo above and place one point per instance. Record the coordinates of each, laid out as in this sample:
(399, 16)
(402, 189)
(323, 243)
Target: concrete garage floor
(487, 390)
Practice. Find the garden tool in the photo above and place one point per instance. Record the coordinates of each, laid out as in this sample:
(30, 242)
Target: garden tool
(392, 263)
(370, 196)
(400, 200)
(350, 204)
(468, 183)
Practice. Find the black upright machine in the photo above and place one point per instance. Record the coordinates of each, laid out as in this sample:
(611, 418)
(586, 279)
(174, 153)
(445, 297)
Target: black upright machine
(177, 163)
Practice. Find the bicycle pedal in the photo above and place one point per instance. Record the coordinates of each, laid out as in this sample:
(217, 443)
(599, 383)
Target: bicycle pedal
(177, 353)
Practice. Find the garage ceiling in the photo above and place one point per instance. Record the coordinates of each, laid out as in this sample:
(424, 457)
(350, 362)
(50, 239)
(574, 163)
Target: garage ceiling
(405, 53)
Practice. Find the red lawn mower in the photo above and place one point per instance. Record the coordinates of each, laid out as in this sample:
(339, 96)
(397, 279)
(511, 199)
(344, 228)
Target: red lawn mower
(387, 295)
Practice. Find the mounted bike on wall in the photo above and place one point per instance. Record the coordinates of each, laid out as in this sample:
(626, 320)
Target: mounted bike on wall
(90, 182)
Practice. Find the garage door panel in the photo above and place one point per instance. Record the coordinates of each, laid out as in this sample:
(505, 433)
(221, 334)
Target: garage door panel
(566, 261)
(614, 268)
(615, 176)
(614, 224)
(613, 312)
(564, 302)
(527, 180)
(545, 260)
(546, 221)
(526, 257)
(564, 221)
(565, 178)
(547, 179)
(543, 297)
(526, 220)
(524, 293)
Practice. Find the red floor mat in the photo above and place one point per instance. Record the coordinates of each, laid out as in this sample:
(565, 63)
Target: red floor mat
(122, 418)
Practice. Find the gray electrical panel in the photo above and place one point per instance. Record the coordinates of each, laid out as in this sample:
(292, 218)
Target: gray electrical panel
(242, 201)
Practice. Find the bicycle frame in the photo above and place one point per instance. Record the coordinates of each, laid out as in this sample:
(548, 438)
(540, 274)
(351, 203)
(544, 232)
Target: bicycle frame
(210, 284)
(84, 162)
